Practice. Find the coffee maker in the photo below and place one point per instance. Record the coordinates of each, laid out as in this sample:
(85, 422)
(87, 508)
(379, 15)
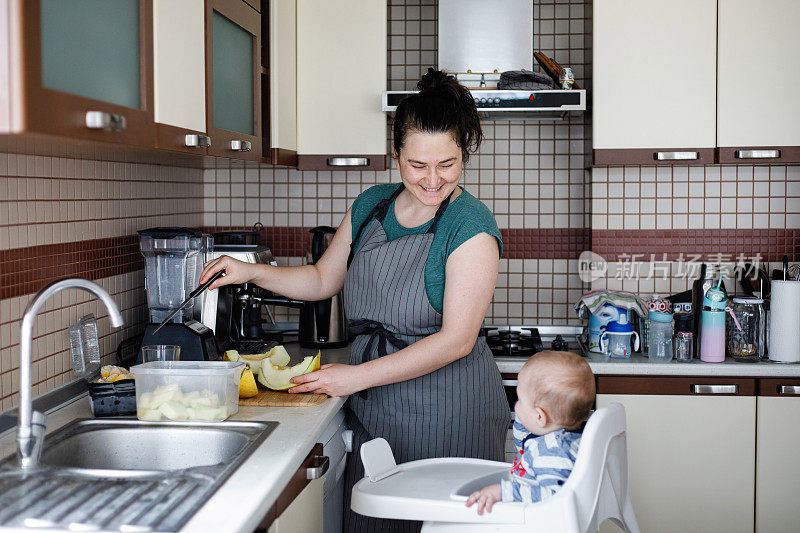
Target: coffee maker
(172, 261)
(233, 312)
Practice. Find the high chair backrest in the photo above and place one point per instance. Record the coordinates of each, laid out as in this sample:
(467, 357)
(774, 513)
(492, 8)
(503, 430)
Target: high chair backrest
(599, 480)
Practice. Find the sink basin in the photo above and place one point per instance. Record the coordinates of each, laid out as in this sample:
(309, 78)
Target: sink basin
(125, 475)
(134, 445)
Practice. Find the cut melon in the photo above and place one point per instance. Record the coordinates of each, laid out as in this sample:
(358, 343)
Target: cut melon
(276, 377)
(277, 356)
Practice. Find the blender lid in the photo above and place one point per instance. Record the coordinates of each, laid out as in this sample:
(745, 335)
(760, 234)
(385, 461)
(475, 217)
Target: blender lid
(169, 233)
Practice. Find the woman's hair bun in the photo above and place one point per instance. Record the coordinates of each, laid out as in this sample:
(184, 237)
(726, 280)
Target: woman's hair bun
(435, 79)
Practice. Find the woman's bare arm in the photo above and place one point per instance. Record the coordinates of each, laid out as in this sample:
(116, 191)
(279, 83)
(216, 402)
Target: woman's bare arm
(471, 276)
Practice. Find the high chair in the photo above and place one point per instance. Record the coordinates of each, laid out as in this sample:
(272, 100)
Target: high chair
(435, 490)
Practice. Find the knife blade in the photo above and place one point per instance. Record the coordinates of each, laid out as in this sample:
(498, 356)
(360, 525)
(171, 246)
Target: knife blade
(192, 295)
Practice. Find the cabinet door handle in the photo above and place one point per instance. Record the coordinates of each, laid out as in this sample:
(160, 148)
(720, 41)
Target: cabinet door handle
(789, 389)
(321, 465)
(198, 141)
(509, 383)
(757, 154)
(675, 156)
(348, 161)
(715, 389)
(239, 145)
(100, 120)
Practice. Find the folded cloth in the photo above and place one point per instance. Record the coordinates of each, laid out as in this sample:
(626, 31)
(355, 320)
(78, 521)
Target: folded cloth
(593, 301)
(525, 80)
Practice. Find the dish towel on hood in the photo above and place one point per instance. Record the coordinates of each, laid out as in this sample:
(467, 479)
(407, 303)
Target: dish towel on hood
(595, 300)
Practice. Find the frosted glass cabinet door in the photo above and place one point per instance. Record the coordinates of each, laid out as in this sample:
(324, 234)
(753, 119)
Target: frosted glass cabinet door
(759, 123)
(84, 69)
(654, 81)
(234, 78)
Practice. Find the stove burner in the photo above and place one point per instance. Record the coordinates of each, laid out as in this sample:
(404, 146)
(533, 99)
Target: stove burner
(510, 343)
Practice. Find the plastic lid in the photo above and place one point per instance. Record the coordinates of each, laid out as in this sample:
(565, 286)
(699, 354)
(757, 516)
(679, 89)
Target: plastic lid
(658, 316)
(169, 233)
(621, 326)
(747, 300)
(187, 368)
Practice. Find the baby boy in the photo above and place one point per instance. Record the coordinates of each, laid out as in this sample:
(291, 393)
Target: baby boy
(555, 393)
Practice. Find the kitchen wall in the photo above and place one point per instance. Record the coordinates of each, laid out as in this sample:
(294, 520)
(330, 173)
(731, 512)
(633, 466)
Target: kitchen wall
(74, 216)
(532, 175)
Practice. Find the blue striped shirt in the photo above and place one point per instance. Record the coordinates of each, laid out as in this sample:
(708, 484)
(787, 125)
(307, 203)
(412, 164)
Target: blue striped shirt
(542, 465)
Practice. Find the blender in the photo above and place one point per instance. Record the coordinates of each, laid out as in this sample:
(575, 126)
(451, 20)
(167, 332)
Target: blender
(172, 263)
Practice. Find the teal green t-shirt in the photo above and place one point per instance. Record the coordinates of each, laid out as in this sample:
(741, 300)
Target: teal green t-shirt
(465, 217)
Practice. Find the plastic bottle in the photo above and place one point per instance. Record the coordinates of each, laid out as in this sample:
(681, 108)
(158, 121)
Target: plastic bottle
(712, 325)
(660, 347)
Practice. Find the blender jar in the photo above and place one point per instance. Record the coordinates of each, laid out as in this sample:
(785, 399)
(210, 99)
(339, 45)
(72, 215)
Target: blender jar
(747, 343)
(171, 269)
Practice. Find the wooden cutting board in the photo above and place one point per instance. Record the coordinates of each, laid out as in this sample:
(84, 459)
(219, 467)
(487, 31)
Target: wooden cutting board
(271, 398)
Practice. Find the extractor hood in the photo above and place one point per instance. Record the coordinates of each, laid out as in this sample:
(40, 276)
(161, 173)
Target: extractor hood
(479, 40)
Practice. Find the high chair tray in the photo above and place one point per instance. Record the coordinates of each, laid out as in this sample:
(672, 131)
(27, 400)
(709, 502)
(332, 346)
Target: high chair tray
(435, 489)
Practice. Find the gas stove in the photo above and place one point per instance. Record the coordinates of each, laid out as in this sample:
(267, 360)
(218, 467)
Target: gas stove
(522, 342)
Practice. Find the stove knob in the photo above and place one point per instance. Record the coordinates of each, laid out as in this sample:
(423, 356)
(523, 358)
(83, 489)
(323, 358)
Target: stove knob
(559, 344)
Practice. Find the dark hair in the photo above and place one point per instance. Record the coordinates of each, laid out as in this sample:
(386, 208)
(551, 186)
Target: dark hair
(442, 105)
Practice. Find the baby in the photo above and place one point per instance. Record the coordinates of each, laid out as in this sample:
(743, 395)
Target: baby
(556, 393)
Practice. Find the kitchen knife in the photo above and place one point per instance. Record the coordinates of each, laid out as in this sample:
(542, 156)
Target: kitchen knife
(194, 293)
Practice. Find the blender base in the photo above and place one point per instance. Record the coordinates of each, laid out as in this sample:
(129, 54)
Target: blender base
(197, 342)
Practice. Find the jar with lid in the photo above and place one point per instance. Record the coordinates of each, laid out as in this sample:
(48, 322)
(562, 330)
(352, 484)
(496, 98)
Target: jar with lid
(683, 342)
(660, 344)
(746, 329)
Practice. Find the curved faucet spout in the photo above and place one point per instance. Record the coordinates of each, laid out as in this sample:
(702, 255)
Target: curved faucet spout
(30, 434)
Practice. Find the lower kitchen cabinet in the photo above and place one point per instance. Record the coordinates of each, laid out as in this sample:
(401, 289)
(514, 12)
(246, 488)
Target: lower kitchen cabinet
(777, 457)
(691, 451)
(298, 508)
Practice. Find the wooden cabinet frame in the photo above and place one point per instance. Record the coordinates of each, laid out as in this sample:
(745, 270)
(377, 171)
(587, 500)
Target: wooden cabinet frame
(36, 109)
(245, 16)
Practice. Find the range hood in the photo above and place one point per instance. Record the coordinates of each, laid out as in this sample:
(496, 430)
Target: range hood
(477, 43)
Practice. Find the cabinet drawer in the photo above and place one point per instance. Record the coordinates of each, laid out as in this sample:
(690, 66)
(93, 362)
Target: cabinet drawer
(298, 482)
(779, 387)
(669, 385)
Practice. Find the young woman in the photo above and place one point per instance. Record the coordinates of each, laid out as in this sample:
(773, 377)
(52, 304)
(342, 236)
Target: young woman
(418, 262)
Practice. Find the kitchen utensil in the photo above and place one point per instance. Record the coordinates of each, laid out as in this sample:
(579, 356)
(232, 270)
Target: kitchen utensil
(660, 337)
(271, 398)
(173, 259)
(84, 347)
(187, 390)
(190, 298)
(784, 322)
(794, 272)
(161, 352)
(712, 342)
(239, 238)
(616, 339)
(746, 342)
(785, 263)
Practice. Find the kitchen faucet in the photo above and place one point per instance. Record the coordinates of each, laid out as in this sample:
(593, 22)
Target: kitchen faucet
(30, 435)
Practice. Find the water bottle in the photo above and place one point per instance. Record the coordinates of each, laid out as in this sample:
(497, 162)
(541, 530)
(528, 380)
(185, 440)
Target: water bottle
(712, 325)
(660, 347)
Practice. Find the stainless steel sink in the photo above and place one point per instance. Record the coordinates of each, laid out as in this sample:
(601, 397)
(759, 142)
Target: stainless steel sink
(135, 445)
(125, 475)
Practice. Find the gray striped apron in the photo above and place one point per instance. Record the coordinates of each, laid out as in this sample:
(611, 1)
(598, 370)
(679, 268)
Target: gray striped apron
(459, 410)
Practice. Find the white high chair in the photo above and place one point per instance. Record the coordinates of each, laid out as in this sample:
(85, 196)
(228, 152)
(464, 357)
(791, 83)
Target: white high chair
(435, 490)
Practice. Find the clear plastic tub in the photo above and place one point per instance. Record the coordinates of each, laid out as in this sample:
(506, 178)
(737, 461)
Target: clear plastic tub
(187, 390)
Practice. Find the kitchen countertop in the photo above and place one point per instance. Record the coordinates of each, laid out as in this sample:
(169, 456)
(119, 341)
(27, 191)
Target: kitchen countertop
(640, 365)
(246, 496)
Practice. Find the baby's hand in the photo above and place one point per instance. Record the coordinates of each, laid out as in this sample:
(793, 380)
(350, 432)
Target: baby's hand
(486, 497)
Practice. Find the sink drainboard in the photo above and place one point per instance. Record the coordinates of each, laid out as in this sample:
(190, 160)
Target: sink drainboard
(77, 501)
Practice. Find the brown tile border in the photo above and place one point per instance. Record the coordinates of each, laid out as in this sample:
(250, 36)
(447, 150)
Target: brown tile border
(709, 244)
(26, 270)
(544, 243)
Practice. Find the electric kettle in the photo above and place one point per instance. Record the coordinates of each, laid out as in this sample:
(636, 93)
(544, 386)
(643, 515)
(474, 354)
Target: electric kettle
(323, 324)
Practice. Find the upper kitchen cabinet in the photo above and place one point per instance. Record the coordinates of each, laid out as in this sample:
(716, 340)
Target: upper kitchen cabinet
(654, 81)
(233, 78)
(179, 64)
(341, 75)
(758, 118)
(80, 69)
(279, 82)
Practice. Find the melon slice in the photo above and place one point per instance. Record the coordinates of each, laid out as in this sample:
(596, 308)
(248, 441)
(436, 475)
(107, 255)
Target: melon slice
(276, 377)
(277, 356)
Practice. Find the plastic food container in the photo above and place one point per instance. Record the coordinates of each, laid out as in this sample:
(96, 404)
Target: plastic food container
(113, 399)
(187, 390)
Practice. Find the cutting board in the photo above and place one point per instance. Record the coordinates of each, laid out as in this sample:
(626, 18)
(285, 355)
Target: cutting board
(271, 398)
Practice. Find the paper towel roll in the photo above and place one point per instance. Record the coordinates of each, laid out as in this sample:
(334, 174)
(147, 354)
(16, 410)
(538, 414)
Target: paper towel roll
(784, 321)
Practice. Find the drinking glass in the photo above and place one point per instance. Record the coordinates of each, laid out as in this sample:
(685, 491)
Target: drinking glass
(161, 352)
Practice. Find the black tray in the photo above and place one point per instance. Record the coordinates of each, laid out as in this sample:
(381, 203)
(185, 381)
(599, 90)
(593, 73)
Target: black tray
(113, 399)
